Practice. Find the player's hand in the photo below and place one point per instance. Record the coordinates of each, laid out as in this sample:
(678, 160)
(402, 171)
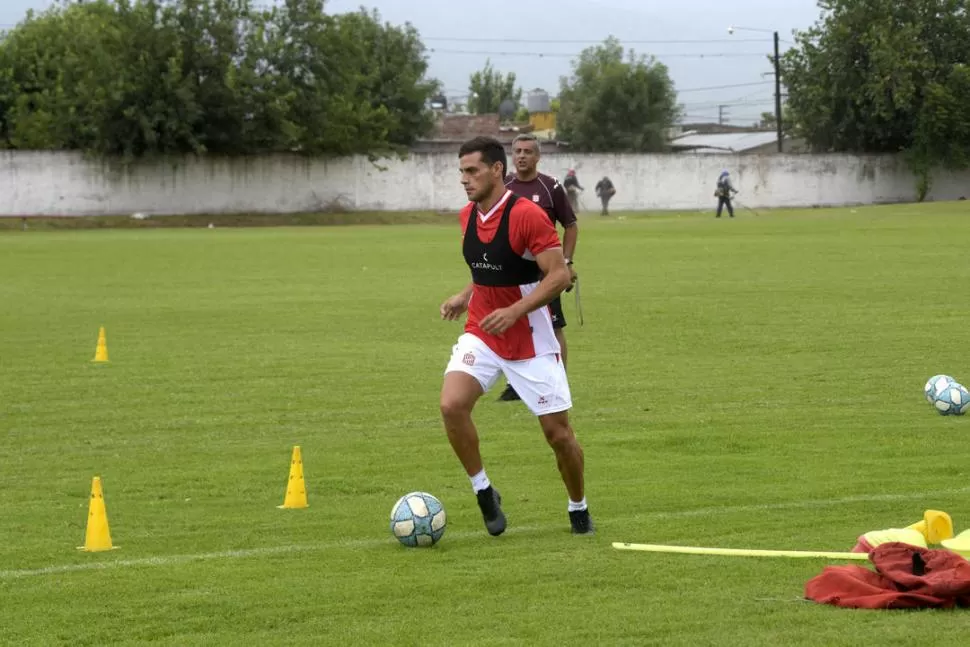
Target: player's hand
(453, 308)
(572, 278)
(499, 321)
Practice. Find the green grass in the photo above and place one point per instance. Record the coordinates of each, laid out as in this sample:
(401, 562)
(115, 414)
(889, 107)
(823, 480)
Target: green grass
(747, 383)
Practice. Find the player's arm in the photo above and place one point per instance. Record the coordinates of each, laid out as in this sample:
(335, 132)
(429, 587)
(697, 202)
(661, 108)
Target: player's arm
(569, 237)
(555, 279)
(567, 218)
(538, 235)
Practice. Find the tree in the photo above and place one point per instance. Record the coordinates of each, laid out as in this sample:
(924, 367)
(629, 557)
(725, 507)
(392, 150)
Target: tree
(152, 77)
(488, 88)
(885, 77)
(98, 77)
(395, 68)
(616, 104)
(767, 120)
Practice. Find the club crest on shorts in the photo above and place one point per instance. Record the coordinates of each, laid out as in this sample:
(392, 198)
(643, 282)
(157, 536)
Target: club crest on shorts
(468, 359)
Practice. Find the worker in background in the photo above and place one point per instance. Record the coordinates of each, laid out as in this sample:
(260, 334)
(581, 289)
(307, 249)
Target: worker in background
(605, 191)
(723, 193)
(572, 186)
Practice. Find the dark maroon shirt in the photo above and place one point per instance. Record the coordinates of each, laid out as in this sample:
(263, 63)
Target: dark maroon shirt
(546, 192)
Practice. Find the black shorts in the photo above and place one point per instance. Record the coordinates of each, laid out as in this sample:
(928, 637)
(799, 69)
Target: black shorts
(558, 318)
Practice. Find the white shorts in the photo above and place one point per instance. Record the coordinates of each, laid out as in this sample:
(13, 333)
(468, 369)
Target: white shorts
(540, 381)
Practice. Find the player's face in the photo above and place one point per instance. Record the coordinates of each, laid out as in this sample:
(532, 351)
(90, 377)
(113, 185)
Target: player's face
(477, 177)
(525, 156)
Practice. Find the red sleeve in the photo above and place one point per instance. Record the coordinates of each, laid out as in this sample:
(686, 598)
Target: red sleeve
(531, 230)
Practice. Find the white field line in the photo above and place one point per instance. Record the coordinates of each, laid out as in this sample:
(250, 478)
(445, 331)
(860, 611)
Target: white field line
(171, 560)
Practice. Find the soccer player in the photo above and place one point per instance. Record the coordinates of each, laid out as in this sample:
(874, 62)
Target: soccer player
(517, 269)
(527, 182)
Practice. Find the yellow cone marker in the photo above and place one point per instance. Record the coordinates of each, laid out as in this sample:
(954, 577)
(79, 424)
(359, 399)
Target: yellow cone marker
(296, 486)
(97, 537)
(935, 526)
(101, 353)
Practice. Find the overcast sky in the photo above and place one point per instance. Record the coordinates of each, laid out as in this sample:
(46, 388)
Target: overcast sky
(541, 37)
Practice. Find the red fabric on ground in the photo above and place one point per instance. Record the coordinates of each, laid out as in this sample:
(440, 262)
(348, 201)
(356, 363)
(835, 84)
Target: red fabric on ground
(906, 577)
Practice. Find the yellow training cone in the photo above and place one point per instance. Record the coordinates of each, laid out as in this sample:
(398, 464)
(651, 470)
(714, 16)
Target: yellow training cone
(935, 526)
(101, 353)
(296, 486)
(97, 537)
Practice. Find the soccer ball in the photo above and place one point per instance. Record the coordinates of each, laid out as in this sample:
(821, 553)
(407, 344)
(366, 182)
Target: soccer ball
(935, 386)
(953, 401)
(418, 519)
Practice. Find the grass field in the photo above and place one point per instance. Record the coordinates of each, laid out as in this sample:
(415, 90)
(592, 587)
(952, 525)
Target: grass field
(746, 383)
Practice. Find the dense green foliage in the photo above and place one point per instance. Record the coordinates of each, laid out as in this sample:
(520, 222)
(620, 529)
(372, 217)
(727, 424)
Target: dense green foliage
(144, 77)
(884, 76)
(614, 103)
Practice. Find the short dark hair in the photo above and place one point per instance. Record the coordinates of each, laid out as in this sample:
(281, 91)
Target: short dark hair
(491, 149)
(528, 137)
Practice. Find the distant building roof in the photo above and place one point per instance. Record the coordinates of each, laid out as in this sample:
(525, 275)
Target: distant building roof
(709, 128)
(460, 128)
(723, 142)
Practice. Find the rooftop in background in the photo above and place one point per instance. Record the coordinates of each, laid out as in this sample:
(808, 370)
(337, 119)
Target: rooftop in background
(728, 143)
(463, 127)
(452, 130)
(712, 128)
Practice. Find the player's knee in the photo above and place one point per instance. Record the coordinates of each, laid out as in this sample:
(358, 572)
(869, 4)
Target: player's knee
(453, 408)
(557, 431)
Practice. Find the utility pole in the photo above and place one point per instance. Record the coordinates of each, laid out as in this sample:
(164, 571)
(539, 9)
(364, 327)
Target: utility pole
(781, 147)
(777, 62)
(720, 115)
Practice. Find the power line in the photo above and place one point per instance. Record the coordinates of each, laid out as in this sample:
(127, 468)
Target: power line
(694, 41)
(724, 87)
(715, 104)
(435, 50)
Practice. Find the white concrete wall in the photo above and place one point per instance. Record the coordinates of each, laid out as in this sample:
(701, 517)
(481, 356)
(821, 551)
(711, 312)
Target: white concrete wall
(67, 184)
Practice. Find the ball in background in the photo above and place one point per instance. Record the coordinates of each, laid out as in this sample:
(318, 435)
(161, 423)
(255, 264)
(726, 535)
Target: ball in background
(954, 400)
(418, 519)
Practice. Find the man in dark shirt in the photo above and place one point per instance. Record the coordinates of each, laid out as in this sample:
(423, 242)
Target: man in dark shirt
(605, 190)
(548, 193)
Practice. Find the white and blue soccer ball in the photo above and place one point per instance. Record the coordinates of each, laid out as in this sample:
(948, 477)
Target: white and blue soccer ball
(418, 519)
(936, 386)
(954, 400)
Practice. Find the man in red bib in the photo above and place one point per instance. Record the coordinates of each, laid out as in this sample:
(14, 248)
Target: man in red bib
(517, 269)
